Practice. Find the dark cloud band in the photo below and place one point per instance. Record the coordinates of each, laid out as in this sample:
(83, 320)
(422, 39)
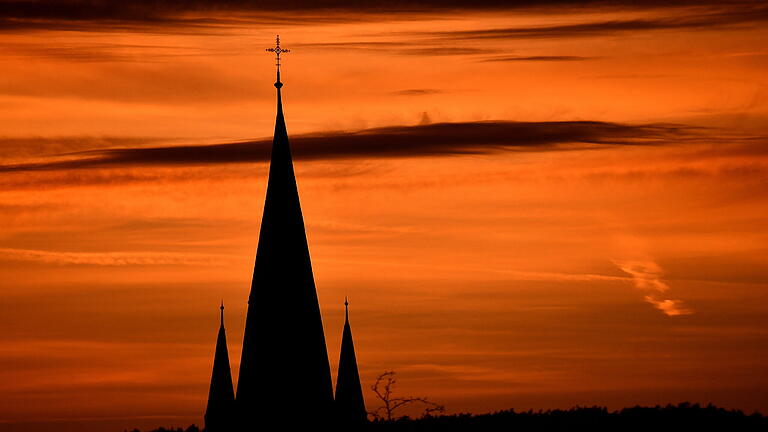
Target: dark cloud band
(537, 58)
(441, 139)
(105, 15)
(695, 20)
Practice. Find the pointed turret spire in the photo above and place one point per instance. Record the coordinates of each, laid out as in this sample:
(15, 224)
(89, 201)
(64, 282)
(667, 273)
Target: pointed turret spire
(284, 360)
(221, 396)
(350, 406)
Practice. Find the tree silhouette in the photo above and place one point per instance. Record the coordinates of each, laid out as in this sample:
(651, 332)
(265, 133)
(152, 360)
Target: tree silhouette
(682, 417)
(384, 387)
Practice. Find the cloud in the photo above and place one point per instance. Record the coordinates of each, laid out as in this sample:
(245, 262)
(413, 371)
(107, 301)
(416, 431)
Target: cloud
(669, 307)
(696, 19)
(40, 146)
(439, 139)
(646, 276)
(106, 52)
(418, 92)
(201, 15)
(403, 47)
(109, 258)
(137, 82)
(537, 58)
(357, 45)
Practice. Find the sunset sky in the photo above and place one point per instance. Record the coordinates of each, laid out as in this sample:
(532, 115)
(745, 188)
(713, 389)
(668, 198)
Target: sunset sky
(528, 207)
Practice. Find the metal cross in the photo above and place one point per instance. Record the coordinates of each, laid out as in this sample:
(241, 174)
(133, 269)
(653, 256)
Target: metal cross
(277, 50)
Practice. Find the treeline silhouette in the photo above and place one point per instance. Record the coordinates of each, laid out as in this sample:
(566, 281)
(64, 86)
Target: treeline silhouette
(190, 428)
(678, 418)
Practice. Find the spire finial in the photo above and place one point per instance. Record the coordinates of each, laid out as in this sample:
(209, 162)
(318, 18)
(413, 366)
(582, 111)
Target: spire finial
(346, 308)
(277, 50)
(222, 312)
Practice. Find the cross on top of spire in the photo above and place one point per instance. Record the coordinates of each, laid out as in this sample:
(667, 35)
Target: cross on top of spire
(277, 50)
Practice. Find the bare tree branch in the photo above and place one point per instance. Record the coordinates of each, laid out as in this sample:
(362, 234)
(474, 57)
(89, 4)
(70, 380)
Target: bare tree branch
(384, 387)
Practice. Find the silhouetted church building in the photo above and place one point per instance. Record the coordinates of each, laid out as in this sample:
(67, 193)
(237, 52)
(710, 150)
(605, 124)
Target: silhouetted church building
(285, 375)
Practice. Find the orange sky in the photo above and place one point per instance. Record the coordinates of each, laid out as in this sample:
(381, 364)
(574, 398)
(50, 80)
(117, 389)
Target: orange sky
(621, 260)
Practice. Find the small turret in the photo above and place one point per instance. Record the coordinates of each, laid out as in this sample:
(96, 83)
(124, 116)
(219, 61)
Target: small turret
(350, 406)
(221, 396)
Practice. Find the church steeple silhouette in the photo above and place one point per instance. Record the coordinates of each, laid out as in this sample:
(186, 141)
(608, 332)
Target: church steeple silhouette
(284, 368)
(221, 396)
(350, 406)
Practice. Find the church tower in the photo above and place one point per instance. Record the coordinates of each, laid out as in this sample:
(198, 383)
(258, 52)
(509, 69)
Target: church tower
(350, 406)
(284, 371)
(221, 396)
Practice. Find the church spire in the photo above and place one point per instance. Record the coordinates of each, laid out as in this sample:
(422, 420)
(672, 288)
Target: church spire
(221, 396)
(350, 406)
(284, 358)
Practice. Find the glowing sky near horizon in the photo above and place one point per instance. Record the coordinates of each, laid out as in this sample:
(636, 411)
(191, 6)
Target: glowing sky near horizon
(529, 277)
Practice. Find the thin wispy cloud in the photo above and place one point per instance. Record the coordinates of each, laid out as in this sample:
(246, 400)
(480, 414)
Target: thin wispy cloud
(555, 58)
(107, 52)
(646, 275)
(418, 92)
(42, 146)
(110, 258)
(697, 20)
(404, 46)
